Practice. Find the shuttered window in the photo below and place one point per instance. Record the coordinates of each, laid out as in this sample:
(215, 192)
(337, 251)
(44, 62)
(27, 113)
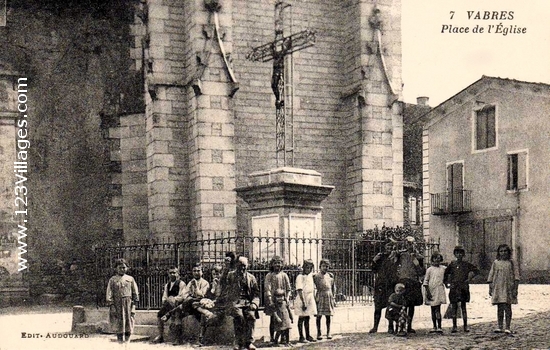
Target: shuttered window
(517, 171)
(485, 128)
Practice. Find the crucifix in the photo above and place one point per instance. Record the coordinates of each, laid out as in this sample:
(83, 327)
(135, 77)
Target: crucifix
(277, 51)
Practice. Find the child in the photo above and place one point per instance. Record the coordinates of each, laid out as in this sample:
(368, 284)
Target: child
(174, 293)
(457, 278)
(207, 305)
(215, 289)
(503, 286)
(305, 302)
(324, 283)
(435, 290)
(275, 279)
(396, 310)
(283, 318)
(122, 293)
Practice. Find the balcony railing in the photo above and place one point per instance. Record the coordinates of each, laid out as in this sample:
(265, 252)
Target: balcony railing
(455, 202)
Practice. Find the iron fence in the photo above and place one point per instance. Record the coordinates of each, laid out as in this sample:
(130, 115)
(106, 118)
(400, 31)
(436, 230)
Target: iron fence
(351, 261)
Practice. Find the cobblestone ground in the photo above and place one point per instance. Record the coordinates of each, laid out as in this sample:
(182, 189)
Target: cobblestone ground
(530, 323)
(530, 332)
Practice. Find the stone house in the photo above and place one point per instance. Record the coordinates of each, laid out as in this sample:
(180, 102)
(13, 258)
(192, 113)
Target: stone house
(412, 161)
(486, 175)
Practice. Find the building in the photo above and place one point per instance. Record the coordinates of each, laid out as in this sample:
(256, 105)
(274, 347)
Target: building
(486, 173)
(145, 116)
(412, 161)
(209, 116)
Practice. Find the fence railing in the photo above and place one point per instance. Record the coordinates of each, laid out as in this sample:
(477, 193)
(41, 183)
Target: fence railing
(454, 202)
(351, 261)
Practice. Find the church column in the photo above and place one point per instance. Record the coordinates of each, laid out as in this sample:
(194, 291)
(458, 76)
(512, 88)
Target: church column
(164, 64)
(375, 132)
(210, 141)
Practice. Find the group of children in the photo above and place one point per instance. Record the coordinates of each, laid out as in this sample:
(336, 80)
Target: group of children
(503, 282)
(315, 296)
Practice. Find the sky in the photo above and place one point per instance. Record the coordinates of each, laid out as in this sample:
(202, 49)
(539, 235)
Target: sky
(439, 65)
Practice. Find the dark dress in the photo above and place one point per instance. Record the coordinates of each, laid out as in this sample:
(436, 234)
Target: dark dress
(456, 274)
(386, 278)
(409, 275)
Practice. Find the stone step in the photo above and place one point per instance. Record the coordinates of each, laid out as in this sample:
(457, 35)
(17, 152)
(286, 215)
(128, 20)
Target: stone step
(146, 330)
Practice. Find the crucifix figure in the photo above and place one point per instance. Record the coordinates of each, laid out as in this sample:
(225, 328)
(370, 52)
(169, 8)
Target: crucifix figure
(278, 50)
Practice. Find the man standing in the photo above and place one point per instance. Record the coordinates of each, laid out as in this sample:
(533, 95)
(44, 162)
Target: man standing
(385, 267)
(174, 293)
(243, 298)
(409, 270)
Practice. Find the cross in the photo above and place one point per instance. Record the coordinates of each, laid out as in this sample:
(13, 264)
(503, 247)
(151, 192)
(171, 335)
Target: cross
(277, 50)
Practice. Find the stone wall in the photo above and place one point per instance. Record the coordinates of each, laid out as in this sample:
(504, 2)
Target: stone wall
(76, 59)
(204, 136)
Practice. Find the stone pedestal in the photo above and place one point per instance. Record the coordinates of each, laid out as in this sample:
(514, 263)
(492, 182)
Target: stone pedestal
(285, 206)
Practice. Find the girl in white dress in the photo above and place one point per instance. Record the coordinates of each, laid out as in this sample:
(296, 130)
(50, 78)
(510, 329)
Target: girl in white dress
(305, 305)
(435, 290)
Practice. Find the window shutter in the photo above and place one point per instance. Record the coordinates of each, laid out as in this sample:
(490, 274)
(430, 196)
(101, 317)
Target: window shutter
(522, 170)
(491, 127)
(412, 210)
(481, 129)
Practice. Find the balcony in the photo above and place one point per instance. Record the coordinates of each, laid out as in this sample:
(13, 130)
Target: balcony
(456, 202)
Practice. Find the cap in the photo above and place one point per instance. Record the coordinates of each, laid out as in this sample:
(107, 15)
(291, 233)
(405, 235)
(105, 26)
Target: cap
(459, 248)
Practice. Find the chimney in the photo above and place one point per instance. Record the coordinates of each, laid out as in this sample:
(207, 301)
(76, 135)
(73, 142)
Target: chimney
(422, 101)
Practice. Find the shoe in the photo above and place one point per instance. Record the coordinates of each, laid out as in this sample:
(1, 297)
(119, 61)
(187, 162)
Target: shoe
(373, 330)
(411, 331)
(251, 347)
(391, 331)
(158, 340)
(329, 336)
(302, 340)
(309, 338)
(433, 330)
(439, 330)
(507, 331)
(466, 330)
(401, 334)
(498, 330)
(454, 330)
(319, 337)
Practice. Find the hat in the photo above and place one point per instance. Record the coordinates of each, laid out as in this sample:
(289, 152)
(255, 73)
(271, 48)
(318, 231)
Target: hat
(459, 248)
(409, 239)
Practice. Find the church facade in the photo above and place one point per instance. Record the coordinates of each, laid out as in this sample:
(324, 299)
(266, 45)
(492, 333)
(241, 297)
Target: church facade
(209, 118)
(144, 117)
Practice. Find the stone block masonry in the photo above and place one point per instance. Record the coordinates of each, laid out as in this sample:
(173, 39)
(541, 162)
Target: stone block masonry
(202, 139)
